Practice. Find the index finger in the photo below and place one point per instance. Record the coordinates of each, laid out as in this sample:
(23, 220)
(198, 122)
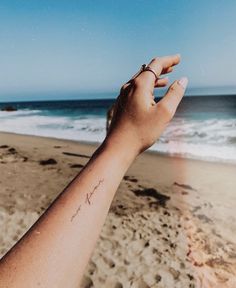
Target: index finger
(163, 63)
(159, 65)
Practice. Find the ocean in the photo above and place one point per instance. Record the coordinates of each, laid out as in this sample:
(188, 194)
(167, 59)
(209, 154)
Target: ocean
(204, 127)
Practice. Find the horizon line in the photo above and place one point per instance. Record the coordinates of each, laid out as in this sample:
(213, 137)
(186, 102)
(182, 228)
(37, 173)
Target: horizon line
(99, 90)
(99, 99)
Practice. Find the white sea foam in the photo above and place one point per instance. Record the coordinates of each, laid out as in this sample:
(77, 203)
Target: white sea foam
(213, 139)
(22, 112)
(85, 129)
(222, 153)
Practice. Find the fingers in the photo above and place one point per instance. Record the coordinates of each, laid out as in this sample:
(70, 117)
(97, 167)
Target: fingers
(164, 71)
(160, 65)
(172, 98)
(167, 70)
(164, 63)
(161, 82)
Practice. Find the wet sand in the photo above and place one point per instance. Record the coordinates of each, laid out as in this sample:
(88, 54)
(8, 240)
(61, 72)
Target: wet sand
(172, 222)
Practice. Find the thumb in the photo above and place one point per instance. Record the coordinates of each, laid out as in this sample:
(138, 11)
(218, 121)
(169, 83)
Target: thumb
(174, 95)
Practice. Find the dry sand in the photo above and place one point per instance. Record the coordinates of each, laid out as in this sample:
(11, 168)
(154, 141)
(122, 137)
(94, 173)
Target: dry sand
(172, 222)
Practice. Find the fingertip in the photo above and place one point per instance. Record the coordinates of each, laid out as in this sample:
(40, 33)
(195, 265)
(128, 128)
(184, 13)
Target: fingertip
(183, 82)
(178, 55)
(176, 59)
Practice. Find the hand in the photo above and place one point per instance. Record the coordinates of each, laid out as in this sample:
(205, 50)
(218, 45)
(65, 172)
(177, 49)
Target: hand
(137, 118)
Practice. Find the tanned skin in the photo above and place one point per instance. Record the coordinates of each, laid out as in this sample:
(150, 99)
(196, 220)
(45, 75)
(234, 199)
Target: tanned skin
(57, 248)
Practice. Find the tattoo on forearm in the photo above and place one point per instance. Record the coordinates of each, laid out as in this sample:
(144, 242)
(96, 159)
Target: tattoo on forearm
(87, 200)
(89, 195)
(75, 214)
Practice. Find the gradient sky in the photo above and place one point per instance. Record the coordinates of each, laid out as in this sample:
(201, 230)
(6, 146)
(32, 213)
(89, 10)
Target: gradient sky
(70, 46)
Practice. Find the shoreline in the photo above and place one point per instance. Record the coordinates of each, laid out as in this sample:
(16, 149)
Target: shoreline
(172, 222)
(149, 151)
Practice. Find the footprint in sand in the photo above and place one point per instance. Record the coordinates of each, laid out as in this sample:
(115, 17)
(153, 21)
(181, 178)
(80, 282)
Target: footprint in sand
(76, 166)
(130, 179)
(139, 283)
(118, 285)
(109, 262)
(152, 193)
(11, 155)
(185, 186)
(87, 282)
(211, 269)
(49, 161)
(92, 268)
(4, 146)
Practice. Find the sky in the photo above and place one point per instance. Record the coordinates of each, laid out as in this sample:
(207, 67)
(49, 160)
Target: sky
(63, 47)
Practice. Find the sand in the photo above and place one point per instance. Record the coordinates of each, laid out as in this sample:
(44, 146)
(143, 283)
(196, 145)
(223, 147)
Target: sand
(172, 222)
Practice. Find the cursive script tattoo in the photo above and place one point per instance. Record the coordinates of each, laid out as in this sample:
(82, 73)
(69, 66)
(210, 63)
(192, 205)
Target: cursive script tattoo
(89, 195)
(87, 200)
(76, 213)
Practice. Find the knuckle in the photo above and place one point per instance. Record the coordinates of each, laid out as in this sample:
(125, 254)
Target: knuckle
(158, 62)
(172, 88)
(155, 59)
(137, 83)
(122, 88)
(176, 88)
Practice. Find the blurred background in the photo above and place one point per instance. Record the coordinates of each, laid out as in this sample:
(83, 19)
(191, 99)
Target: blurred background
(85, 50)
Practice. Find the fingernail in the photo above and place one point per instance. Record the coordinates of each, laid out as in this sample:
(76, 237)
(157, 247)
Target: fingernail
(183, 82)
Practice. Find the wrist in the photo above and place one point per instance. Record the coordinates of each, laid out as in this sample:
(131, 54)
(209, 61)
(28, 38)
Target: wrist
(122, 146)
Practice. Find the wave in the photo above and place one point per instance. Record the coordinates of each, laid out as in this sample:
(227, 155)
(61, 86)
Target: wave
(221, 153)
(201, 131)
(86, 129)
(211, 139)
(21, 112)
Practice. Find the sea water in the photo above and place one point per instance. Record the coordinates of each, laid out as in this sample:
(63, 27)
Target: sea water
(204, 127)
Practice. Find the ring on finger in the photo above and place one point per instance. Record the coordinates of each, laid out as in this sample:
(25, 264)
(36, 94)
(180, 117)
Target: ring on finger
(148, 68)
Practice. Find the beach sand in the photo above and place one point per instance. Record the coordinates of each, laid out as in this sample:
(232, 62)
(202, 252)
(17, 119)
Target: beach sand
(172, 222)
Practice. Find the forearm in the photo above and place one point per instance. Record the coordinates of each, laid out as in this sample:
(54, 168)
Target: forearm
(61, 242)
(56, 250)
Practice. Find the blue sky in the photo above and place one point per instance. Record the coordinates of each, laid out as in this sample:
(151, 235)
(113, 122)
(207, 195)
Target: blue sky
(50, 46)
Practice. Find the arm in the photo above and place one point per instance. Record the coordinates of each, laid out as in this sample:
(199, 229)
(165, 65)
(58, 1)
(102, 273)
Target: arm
(55, 251)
